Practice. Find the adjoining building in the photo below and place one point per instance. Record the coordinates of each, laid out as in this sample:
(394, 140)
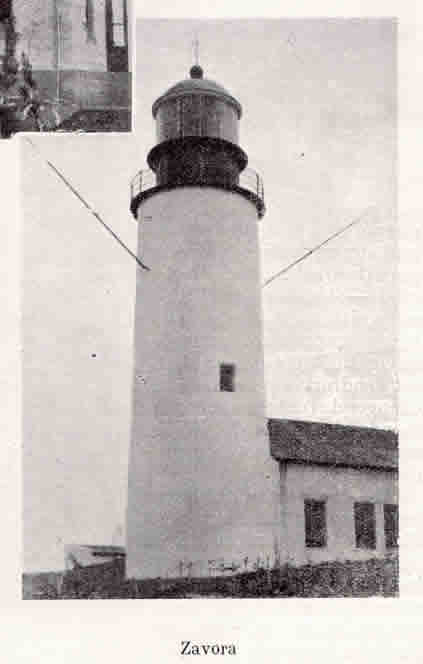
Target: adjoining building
(84, 555)
(78, 52)
(339, 490)
(91, 570)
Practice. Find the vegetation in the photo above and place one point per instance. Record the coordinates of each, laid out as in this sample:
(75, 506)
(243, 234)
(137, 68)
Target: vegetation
(374, 577)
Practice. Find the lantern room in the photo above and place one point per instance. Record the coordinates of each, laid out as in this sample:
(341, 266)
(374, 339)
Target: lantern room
(197, 130)
(197, 107)
(197, 134)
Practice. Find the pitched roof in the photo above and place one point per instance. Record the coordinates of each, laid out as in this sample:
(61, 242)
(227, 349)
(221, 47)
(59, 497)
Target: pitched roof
(333, 444)
(106, 549)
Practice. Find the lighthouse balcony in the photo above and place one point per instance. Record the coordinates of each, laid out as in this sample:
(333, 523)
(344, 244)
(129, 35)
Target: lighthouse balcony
(248, 184)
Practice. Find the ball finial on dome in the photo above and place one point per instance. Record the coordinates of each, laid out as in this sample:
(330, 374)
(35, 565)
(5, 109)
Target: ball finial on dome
(196, 71)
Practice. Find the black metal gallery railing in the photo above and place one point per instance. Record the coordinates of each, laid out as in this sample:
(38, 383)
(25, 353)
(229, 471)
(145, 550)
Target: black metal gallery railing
(249, 184)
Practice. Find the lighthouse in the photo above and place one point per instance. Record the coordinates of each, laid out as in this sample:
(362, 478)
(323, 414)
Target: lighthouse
(203, 489)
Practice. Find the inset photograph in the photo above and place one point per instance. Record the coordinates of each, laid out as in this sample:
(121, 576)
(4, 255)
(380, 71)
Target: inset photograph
(65, 66)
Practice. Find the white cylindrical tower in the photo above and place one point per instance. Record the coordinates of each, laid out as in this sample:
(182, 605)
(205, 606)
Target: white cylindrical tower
(203, 492)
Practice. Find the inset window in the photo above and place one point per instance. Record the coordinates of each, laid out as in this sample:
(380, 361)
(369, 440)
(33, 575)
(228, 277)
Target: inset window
(6, 32)
(3, 44)
(117, 35)
(390, 515)
(90, 20)
(365, 525)
(227, 377)
(5, 10)
(315, 523)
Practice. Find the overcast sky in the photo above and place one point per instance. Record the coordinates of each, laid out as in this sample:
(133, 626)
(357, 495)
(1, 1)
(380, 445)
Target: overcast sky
(319, 101)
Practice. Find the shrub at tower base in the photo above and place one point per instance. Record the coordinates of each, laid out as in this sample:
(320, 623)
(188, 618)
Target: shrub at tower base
(373, 577)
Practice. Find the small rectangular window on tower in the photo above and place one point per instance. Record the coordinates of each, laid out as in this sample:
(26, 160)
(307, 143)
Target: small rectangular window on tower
(227, 377)
(390, 514)
(315, 523)
(365, 525)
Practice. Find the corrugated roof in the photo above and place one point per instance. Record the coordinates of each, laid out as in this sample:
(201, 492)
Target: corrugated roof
(333, 444)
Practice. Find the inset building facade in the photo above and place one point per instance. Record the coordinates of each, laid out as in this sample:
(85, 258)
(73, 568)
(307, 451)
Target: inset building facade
(79, 55)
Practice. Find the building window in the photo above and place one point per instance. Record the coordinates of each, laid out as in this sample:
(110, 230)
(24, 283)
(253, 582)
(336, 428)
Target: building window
(6, 27)
(390, 514)
(227, 378)
(315, 523)
(5, 10)
(117, 35)
(3, 44)
(89, 20)
(365, 525)
(118, 22)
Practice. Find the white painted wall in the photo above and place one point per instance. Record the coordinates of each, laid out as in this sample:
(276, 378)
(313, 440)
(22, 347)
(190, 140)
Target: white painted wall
(340, 487)
(36, 23)
(78, 51)
(202, 484)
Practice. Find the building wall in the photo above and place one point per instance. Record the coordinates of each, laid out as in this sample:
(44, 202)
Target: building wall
(202, 484)
(79, 50)
(340, 487)
(36, 25)
(37, 22)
